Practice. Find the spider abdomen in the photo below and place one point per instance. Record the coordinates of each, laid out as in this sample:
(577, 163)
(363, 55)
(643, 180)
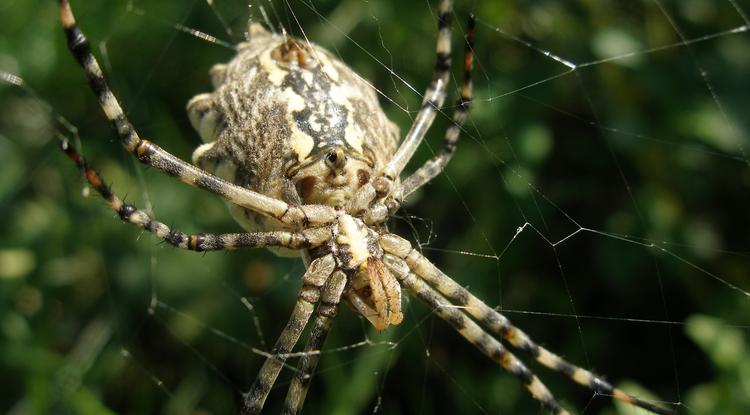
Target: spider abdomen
(279, 108)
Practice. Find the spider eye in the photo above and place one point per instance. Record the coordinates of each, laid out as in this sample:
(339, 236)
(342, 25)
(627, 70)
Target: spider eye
(363, 177)
(305, 187)
(336, 158)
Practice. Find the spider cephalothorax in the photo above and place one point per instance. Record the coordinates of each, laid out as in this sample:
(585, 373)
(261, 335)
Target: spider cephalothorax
(298, 146)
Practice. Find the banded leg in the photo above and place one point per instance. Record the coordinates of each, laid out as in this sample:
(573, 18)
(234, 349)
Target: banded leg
(434, 95)
(471, 331)
(154, 156)
(307, 238)
(329, 302)
(499, 325)
(434, 166)
(315, 277)
(380, 212)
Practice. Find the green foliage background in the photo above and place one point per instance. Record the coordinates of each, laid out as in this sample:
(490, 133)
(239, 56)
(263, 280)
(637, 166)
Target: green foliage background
(97, 318)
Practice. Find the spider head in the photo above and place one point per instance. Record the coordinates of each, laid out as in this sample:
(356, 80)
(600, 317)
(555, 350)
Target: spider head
(331, 176)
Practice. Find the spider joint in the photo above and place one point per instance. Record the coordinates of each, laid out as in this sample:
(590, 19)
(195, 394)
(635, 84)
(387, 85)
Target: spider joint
(363, 198)
(310, 294)
(395, 245)
(319, 270)
(398, 267)
(378, 213)
(143, 150)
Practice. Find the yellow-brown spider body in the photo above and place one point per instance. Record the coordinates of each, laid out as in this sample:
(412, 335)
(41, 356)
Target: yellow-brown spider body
(289, 120)
(298, 146)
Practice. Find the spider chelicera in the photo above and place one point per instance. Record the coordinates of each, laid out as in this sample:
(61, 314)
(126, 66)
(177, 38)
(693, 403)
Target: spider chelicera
(299, 147)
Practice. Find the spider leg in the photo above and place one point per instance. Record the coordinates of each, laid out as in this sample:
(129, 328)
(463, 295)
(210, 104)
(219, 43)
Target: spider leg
(307, 238)
(330, 298)
(434, 166)
(315, 277)
(433, 98)
(501, 326)
(381, 210)
(472, 332)
(154, 156)
(361, 307)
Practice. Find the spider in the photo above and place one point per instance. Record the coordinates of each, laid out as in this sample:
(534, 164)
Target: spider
(300, 149)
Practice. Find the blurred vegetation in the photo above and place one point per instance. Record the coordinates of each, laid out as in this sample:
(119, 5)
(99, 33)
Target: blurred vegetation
(97, 318)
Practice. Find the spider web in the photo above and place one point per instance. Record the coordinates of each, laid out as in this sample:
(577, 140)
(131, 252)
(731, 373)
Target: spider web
(598, 198)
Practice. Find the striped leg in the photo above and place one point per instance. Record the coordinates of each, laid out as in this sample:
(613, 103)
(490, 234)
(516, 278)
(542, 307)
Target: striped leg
(315, 277)
(382, 210)
(436, 165)
(433, 97)
(154, 156)
(307, 238)
(329, 302)
(500, 325)
(471, 331)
